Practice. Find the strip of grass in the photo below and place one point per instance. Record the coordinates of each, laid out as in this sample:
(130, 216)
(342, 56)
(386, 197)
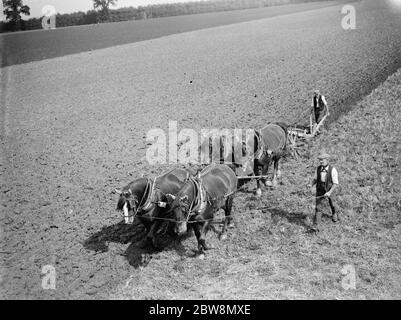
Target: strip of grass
(365, 148)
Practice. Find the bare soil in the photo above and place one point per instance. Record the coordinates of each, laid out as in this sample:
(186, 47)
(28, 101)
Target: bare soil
(35, 45)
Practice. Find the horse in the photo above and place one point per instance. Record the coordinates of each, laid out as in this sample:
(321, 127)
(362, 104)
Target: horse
(270, 145)
(145, 199)
(200, 198)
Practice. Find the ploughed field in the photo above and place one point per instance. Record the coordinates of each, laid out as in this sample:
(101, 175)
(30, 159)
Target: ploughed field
(37, 45)
(74, 128)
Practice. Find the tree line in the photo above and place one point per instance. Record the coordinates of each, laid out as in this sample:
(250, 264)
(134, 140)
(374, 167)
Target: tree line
(102, 13)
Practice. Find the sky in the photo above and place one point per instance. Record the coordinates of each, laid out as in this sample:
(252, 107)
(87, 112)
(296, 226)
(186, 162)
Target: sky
(68, 6)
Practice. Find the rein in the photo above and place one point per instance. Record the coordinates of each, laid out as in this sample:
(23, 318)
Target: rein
(213, 220)
(193, 221)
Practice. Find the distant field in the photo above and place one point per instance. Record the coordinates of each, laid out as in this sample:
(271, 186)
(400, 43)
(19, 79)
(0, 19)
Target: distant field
(36, 45)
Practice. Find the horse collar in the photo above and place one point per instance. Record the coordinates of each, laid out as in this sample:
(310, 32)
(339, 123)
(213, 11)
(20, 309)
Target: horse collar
(199, 202)
(149, 193)
(260, 150)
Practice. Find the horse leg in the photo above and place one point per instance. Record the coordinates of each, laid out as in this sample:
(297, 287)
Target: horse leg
(196, 228)
(200, 237)
(227, 211)
(265, 171)
(278, 171)
(257, 171)
(154, 231)
(204, 231)
(144, 241)
(218, 232)
(228, 219)
(276, 161)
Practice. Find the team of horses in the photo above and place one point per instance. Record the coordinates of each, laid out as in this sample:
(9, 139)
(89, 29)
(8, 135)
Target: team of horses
(191, 201)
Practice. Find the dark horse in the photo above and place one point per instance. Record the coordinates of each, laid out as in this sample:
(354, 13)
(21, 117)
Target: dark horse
(267, 145)
(200, 197)
(270, 146)
(145, 199)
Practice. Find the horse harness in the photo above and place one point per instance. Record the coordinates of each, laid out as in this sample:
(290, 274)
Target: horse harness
(144, 204)
(150, 192)
(261, 148)
(200, 200)
(150, 187)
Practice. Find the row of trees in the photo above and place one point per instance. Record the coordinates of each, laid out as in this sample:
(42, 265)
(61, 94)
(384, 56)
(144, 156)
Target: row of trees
(13, 10)
(103, 13)
(104, 8)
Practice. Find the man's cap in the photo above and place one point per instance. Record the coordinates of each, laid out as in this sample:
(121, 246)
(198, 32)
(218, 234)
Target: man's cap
(316, 91)
(323, 155)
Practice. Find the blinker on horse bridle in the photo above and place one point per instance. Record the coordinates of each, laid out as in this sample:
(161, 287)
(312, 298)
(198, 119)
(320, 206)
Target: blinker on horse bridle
(131, 207)
(136, 208)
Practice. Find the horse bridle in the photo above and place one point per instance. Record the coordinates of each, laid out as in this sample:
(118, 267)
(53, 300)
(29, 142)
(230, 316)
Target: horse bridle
(132, 207)
(137, 208)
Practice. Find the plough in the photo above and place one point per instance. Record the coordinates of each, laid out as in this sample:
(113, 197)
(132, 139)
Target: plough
(299, 135)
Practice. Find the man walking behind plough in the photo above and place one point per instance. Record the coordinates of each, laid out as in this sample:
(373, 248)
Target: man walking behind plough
(319, 108)
(326, 181)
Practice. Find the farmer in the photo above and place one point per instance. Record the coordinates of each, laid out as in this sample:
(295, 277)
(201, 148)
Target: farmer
(326, 182)
(319, 107)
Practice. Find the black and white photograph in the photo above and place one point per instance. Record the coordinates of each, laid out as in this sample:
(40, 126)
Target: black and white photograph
(213, 151)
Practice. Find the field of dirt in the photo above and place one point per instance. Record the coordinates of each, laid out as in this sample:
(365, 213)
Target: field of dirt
(74, 128)
(23, 47)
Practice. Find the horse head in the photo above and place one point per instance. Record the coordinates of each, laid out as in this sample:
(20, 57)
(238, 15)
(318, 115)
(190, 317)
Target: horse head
(130, 197)
(180, 205)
